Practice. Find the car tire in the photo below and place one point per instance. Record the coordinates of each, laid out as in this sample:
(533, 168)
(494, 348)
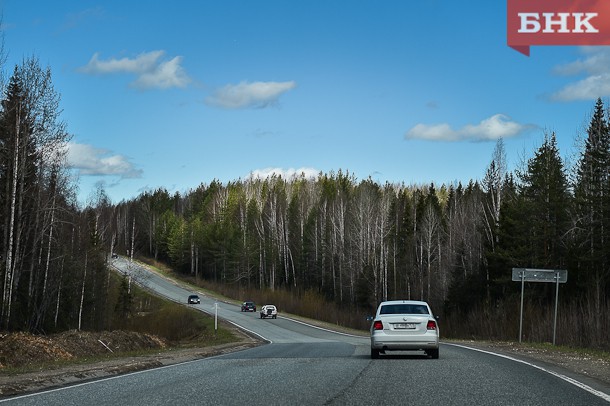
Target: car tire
(433, 353)
(374, 354)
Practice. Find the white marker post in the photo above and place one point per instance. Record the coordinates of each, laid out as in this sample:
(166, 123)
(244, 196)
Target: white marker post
(215, 317)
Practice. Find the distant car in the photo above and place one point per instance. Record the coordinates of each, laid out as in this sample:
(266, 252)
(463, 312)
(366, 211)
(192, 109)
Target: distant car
(268, 311)
(115, 255)
(248, 307)
(404, 325)
(193, 299)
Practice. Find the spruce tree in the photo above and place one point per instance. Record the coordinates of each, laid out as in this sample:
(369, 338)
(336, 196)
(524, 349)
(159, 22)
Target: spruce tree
(592, 208)
(545, 188)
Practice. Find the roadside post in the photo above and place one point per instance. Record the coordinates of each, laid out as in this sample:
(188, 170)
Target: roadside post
(215, 318)
(556, 276)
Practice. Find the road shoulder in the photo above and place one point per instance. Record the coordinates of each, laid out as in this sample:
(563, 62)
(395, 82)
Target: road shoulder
(587, 369)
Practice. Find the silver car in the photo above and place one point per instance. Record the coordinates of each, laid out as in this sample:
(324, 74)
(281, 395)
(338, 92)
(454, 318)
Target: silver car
(404, 325)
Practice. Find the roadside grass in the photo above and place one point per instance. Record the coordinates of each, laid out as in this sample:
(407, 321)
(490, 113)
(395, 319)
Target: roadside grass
(582, 352)
(175, 322)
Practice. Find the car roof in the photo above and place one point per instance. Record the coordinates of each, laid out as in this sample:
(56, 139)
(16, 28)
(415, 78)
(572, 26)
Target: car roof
(419, 302)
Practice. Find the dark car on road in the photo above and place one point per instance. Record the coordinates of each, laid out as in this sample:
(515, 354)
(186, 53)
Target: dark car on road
(248, 306)
(193, 299)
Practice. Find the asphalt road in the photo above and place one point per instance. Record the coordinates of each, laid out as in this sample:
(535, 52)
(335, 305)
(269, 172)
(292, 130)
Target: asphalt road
(305, 365)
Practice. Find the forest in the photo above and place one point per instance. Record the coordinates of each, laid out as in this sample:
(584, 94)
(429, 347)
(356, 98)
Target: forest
(345, 242)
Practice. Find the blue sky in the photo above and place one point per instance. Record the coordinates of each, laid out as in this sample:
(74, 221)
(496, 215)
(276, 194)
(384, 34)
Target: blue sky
(175, 94)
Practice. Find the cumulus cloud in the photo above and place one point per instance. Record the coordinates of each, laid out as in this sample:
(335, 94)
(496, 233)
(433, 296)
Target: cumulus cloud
(249, 95)
(595, 67)
(291, 173)
(151, 70)
(92, 161)
(489, 129)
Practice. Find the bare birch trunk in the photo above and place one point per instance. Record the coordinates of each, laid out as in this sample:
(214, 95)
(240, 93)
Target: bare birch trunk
(61, 273)
(8, 275)
(192, 254)
(48, 259)
(82, 295)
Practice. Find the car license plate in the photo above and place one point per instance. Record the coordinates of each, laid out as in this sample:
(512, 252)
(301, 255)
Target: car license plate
(404, 326)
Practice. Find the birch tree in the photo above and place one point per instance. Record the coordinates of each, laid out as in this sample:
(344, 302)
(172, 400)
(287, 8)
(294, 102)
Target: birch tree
(31, 137)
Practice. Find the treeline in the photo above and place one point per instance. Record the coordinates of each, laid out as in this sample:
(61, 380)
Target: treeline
(53, 269)
(349, 242)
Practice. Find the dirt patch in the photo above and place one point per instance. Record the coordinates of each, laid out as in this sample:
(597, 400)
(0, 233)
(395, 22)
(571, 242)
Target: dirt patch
(19, 350)
(30, 363)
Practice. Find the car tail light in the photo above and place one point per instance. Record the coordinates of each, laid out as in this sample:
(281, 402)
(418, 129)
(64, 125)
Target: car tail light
(377, 325)
(431, 325)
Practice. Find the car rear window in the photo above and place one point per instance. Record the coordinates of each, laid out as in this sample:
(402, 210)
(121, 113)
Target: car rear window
(403, 309)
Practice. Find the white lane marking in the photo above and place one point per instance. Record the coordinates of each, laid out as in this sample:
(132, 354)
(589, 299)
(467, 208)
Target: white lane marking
(322, 328)
(573, 381)
(249, 331)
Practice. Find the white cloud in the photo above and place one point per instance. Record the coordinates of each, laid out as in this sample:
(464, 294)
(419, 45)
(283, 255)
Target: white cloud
(489, 129)
(249, 95)
(92, 161)
(150, 69)
(291, 173)
(167, 74)
(596, 83)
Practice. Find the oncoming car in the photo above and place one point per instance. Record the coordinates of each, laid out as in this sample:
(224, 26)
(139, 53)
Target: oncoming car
(269, 311)
(404, 325)
(248, 307)
(193, 299)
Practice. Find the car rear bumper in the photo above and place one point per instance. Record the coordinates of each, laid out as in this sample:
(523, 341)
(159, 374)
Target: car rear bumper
(390, 343)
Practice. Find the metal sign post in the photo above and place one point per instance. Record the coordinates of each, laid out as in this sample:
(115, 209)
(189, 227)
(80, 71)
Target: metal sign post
(556, 300)
(521, 312)
(540, 275)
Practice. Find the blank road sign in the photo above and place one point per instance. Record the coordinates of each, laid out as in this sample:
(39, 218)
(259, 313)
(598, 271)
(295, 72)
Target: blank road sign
(539, 275)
